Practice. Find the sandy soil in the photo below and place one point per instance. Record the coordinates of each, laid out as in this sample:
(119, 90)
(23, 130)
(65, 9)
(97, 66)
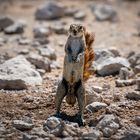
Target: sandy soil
(120, 34)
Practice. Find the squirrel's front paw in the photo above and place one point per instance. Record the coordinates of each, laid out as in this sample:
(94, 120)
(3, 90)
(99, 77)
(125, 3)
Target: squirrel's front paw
(78, 60)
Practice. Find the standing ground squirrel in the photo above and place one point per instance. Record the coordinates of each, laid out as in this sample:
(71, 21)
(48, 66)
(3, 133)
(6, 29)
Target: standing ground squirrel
(79, 56)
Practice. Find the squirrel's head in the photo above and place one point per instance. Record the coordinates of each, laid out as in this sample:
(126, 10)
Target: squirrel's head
(76, 30)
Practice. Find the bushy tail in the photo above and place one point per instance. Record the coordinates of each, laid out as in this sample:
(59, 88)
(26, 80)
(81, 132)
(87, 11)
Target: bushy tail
(89, 55)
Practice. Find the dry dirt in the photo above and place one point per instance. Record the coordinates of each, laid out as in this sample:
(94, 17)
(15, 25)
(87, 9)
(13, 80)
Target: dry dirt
(121, 34)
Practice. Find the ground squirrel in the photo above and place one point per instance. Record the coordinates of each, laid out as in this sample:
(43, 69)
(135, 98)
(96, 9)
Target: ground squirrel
(78, 59)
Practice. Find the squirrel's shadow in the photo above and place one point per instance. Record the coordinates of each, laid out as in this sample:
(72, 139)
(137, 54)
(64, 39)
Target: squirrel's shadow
(76, 118)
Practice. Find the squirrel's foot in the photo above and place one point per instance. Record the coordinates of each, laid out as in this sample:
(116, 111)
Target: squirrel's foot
(57, 114)
(81, 121)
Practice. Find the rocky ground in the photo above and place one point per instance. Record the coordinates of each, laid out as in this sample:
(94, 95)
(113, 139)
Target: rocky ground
(32, 39)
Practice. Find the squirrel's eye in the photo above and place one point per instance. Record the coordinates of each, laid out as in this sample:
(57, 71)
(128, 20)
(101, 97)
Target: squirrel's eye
(70, 27)
(80, 27)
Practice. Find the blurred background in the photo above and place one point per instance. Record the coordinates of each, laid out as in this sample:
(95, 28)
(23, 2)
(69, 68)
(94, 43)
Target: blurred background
(33, 34)
(115, 22)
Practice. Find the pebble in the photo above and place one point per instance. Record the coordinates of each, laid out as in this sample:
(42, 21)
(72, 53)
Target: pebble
(133, 95)
(122, 83)
(137, 120)
(97, 89)
(21, 125)
(95, 106)
(16, 28)
(80, 15)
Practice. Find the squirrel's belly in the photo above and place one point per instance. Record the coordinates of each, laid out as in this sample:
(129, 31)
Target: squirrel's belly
(73, 72)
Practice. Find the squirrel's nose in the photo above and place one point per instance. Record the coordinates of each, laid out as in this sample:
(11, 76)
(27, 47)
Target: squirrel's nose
(74, 31)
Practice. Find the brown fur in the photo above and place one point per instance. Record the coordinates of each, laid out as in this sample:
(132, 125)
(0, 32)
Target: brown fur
(89, 55)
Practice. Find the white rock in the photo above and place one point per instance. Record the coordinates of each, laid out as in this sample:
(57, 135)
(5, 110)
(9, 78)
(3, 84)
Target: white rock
(102, 54)
(49, 10)
(137, 120)
(92, 134)
(41, 32)
(47, 52)
(111, 66)
(16, 28)
(138, 84)
(104, 12)
(5, 21)
(52, 123)
(95, 106)
(122, 83)
(39, 61)
(137, 69)
(21, 125)
(70, 11)
(134, 95)
(115, 51)
(55, 65)
(97, 89)
(17, 73)
(126, 73)
(59, 28)
(80, 15)
(108, 125)
(92, 96)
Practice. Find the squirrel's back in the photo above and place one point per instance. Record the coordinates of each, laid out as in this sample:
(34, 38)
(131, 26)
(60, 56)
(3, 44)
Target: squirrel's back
(89, 55)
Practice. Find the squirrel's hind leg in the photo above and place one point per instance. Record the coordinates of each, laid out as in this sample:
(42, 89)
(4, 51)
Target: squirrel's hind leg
(60, 94)
(81, 101)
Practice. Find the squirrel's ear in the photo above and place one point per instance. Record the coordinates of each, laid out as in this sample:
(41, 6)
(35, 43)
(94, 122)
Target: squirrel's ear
(70, 27)
(84, 28)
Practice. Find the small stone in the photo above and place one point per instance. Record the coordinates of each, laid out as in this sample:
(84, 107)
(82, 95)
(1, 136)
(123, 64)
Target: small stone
(122, 83)
(91, 97)
(126, 73)
(104, 12)
(59, 28)
(40, 32)
(92, 134)
(51, 123)
(55, 65)
(38, 131)
(97, 89)
(108, 125)
(3, 41)
(21, 125)
(137, 120)
(131, 135)
(95, 106)
(5, 21)
(24, 51)
(116, 96)
(137, 69)
(39, 61)
(102, 54)
(134, 95)
(29, 137)
(138, 84)
(2, 130)
(16, 28)
(80, 15)
(115, 51)
(47, 52)
(106, 87)
(40, 41)
(24, 41)
(49, 11)
(111, 66)
(41, 71)
(134, 59)
(70, 11)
